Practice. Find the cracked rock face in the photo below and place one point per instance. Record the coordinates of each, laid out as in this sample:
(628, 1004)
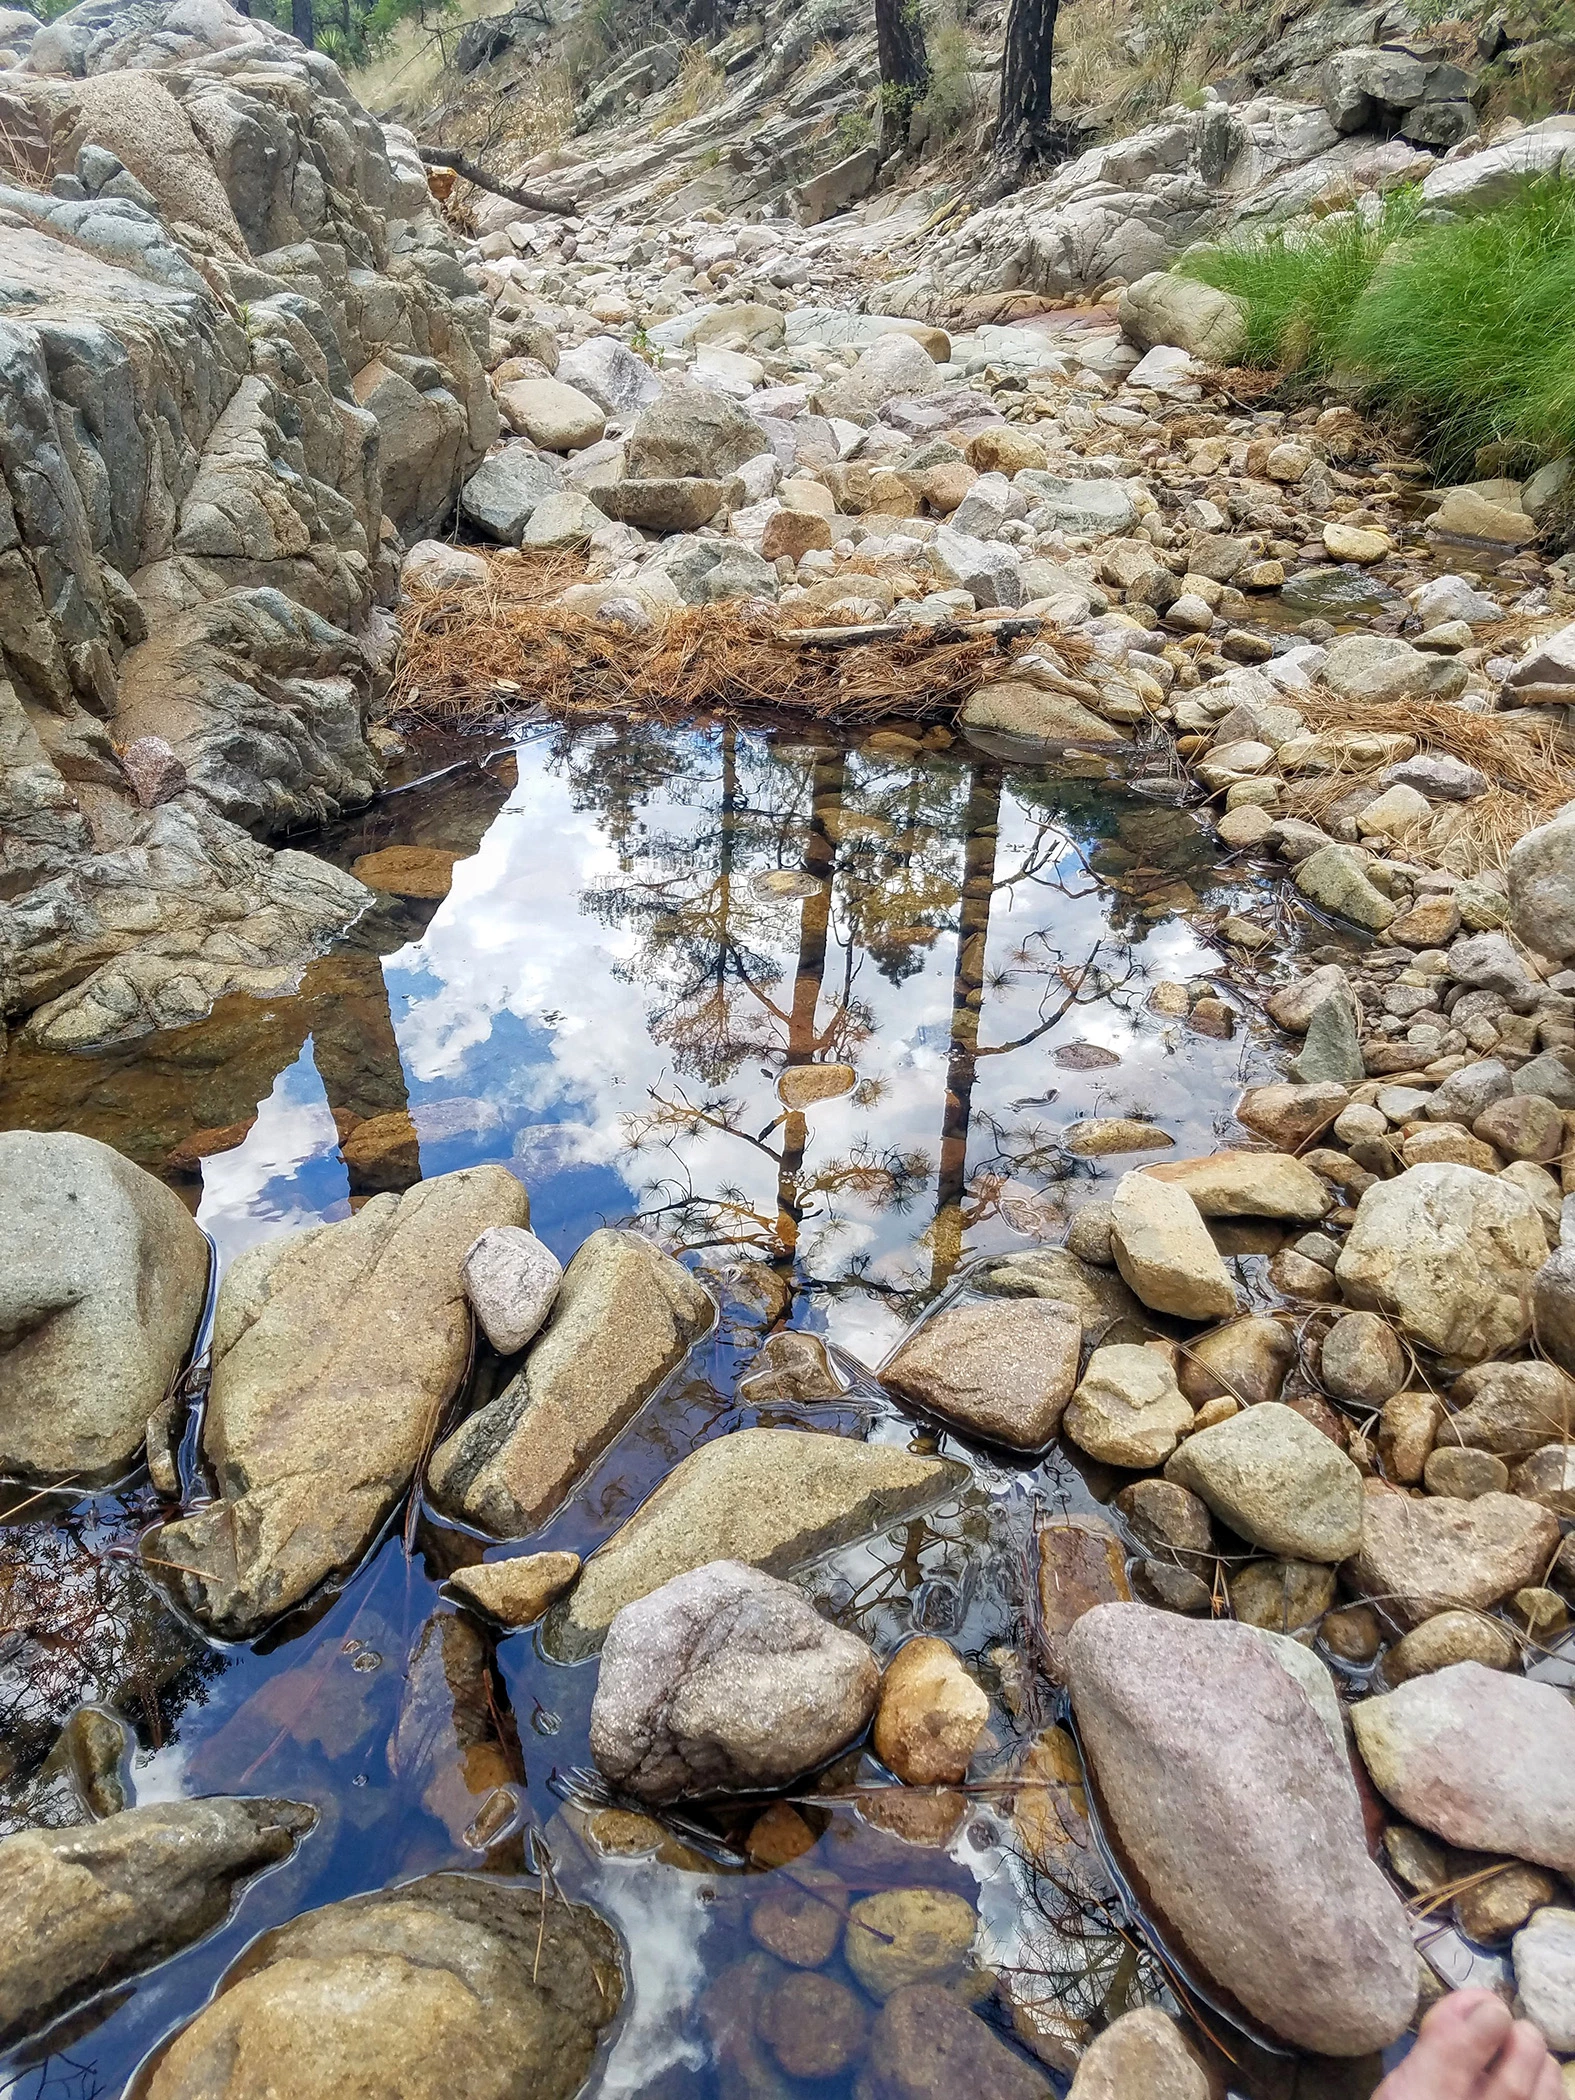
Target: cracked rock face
(191, 501)
(84, 1907)
(334, 1353)
(724, 1679)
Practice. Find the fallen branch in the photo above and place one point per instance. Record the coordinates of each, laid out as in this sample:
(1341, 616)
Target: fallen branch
(532, 200)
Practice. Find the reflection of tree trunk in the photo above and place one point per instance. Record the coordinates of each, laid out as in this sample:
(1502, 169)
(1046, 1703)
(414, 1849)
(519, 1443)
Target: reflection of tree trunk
(726, 848)
(827, 782)
(973, 929)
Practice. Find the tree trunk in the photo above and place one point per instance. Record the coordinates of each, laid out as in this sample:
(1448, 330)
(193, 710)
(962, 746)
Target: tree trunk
(1025, 138)
(301, 21)
(904, 69)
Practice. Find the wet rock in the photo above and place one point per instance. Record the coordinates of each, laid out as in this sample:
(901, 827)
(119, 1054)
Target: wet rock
(1248, 1185)
(1164, 1252)
(1479, 1757)
(814, 2026)
(1512, 1409)
(82, 1908)
(516, 1592)
(1353, 1633)
(449, 1744)
(730, 2008)
(1432, 1555)
(791, 1366)
(102, 1280)
(927, 2045)
(1276, 1481)
(1247, 1359)
(511, 1280)
(1451, 1637)
(1281, 1596)
(1102, 1300)
(930, 1715)
(1142, 2052)
(1168, 1520)
(799, 1917)
(908, 1936)
(1081, 1563)
(773, 1498)
(1128, 1409)
(1500, 1904)
(1544, 1955)
(1362, 1361)
(453, 1987)
(725, 1678)
(334, 1351)
(1223, 1792)
(626, 1314)
(1451, 1254)
(1003, 1371)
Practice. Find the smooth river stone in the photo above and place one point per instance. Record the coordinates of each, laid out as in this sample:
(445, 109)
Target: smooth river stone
(82, 1908)
(1163, 1250)
(1277, 1481)
(1004, 1370)
(1249, 1185)
(626, 1314)
(1421, 1556)
(1480, 1757)
(1226, 1799)
(335, 1351)
(773, 1498)
(102, 1279)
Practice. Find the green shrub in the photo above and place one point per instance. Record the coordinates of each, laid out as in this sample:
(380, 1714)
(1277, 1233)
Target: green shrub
(1471, 326)
(1300, 285)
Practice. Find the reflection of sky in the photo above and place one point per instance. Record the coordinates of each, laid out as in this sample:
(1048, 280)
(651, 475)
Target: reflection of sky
(522, 1021)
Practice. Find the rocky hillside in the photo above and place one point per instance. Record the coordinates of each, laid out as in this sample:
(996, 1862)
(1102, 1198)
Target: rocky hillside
(239, 361)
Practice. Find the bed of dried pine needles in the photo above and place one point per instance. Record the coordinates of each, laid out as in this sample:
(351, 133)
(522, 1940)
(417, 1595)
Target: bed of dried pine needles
(473, 658)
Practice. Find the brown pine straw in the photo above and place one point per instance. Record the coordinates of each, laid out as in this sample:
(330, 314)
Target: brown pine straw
(477, 657)
(1525, 756)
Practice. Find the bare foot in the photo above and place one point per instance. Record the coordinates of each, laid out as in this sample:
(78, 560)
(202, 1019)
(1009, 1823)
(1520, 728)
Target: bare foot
(1468, 2048)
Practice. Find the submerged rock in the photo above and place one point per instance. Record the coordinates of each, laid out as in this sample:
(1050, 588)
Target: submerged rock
(725, 1679)
(1224, 1795)
(454, 1987)
(334, 1352)
(102, 1280)
(626, 1315)
(772, 1498)
(84, 1907)
(1482, 1758)
(908, 1936)
(927, 2045)
(1004, 1371)
(1142, 2053)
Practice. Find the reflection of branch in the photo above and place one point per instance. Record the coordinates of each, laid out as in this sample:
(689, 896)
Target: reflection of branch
(1074, 982)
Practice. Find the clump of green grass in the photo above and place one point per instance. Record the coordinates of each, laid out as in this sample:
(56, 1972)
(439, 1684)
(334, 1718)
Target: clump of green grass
(1471, 327)
(1300, 285)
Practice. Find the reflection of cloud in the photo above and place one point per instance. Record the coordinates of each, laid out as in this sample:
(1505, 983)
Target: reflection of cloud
(659, 1911)
(259, 1189)
(160, 1775)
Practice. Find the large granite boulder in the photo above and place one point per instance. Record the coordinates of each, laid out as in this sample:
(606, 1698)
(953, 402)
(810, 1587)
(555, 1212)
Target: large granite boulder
(102, 1280)
(1225, 1798)
(725, 1680)
(335, 1351)
(82, 1908)
(771, 1498)
(1443, 1553)
(1002, 1371)
(626, 1314)
(454, 1987)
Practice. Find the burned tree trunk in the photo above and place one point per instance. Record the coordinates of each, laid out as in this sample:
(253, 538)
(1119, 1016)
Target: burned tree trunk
(904, 69)
(301, 23)
(1026, 138)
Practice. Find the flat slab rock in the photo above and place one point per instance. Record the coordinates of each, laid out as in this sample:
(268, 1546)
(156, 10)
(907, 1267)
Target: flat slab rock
(1226, 1800)
(1004, 1371)
(772, 1498)
(454, 1987)
(334, 1350)
(1436, 1553)
(725, 1679)
(84, 1907)
(1480, 1757)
